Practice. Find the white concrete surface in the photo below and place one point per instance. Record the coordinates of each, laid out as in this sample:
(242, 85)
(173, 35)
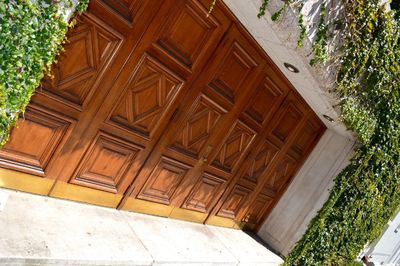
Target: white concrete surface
(307, 193)
(36, 230)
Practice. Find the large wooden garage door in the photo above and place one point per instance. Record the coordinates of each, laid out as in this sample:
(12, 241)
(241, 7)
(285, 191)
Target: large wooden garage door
(158, 107)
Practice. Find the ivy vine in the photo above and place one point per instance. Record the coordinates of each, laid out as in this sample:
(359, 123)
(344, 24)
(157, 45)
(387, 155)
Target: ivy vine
(366, 194)
(31, 36)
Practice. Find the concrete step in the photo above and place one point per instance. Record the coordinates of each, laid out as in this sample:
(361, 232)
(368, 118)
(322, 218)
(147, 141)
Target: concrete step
(37, 230)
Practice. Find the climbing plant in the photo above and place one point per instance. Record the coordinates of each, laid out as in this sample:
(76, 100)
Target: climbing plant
(366, 194)
(31, 35)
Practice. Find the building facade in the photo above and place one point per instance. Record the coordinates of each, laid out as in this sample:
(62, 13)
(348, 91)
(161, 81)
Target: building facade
(162, 108)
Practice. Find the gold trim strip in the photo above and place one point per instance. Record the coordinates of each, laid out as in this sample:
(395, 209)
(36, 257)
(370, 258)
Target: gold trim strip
(188, 215)
(147, 207)
(25, 182)
(224, 222)
(83, 194)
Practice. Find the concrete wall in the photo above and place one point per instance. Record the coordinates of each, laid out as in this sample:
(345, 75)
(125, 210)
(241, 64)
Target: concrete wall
(307, 193)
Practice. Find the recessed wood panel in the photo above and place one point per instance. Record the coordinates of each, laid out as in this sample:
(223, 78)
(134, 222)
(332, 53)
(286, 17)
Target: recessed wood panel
(265, 101)
(33, 141)
(89, 50)
(309, 132)
(187, 32)
(233, 71)
(234, 202)
(257, 209)
(125, 9)
(261, 161)
(163, 181)
(105, 163)
(146, 98)
(287, 123)
(204, 193)
(201, 122)
(234, 147)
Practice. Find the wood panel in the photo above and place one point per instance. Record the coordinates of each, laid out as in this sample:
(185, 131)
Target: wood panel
(90, 48)
(105, 163)
(34, 140)
(235, 145)
(142, 106)
(202, 198)
(163, 181)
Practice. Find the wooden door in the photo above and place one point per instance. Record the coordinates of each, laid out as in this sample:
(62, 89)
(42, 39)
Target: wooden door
(159, 107)
(125, 68)
(142, 100)
(206, 140)
(64, 105)
(270, 166)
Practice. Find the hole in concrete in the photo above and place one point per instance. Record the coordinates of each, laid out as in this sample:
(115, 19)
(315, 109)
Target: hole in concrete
(291, 68)
(327, 117)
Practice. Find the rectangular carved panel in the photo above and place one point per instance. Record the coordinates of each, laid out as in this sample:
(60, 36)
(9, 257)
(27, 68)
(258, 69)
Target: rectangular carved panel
(257, 209)
(125, 9)
(234, 202)
(287, 123)
(142, 105)
(163, 181)
(265, 101)
(203, 117)
(33, 141)
(234, 147)
(204, 193)
(307, 135)
(105, 164)
(87, 54)
(186, 32)
(234, 70)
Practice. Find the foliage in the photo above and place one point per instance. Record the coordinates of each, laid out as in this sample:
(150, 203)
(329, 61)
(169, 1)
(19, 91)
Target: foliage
(319, 48)
(302, 29)
(366, 194)
(31, 35)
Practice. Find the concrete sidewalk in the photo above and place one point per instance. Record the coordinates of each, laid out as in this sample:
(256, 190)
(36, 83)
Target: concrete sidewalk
(36, 230)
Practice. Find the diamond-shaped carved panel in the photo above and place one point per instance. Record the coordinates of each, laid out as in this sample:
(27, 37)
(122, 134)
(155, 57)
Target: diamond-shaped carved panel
(281, 174)
(234, 147)
(89, 49)
(261, 162)
(142, 105)
(204, 194)
(163, 181)
(196, 130)
(105, 164)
